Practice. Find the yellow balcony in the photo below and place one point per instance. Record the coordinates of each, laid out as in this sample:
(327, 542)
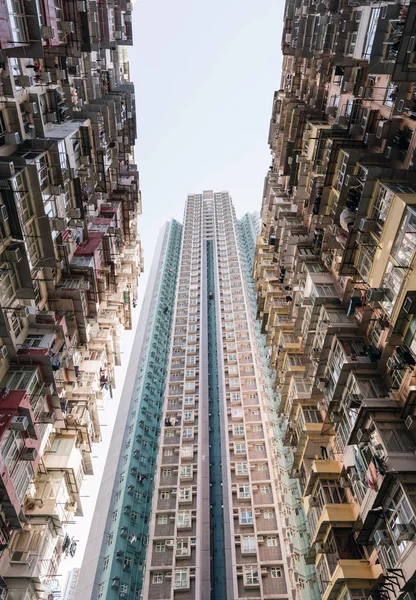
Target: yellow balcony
(336, 515)
(327, 469)
(356, 573)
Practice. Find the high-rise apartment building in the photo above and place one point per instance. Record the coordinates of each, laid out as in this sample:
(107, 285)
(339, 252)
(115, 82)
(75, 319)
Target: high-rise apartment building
(70, 258)
(212, 524)
(336, 293)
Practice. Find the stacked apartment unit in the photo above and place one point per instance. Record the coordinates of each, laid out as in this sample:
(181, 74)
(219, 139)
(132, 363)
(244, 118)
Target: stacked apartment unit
(70, 258)
(336, 286)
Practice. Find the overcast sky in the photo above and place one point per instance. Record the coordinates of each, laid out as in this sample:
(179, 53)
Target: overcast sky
(204, 72)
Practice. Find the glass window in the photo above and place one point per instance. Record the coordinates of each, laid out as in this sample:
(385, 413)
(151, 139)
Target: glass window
(251, 576)
(157, 578)
(248, 544)
(276, 572)
(405, 243)
(246, 517)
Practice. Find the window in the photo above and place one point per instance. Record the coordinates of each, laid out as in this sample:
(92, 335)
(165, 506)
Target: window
(157, 578)
(242, 469)
(110, 539)
(246, 517)
(262, 467)
(160, 547)
(186, 472)
(251, 576)
(268, 514)
(248, 544)
(181, 579)
(134, 516)
(184, 518)
(162, 520)
(188, 415)
(166, 473)
(106, 562)
(264, 489)
(259, 448)
(114, 515)
(238, 429)
(404, 246)
(189, 401)
(187, 451)
(168, 452)
(276, 572)
(183, 548)
(235, 397)
(185, 494)
(244, 491)
(240, 449)
(256, 428)
(100, 593)
(188, 433)
(271, 541)
(126, 563)
(164, 495)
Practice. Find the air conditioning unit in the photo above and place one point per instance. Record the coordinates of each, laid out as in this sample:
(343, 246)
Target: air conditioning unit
(363, 435)
(382, 538)
(375, 294)
(392, 363)
(68, 26)
(24, 312)
(47, 33)
(3, 352)
(4, 216)
(169, 543)
(321, 548)
(58, 224)
(29, 454)
(335, 416)
(48, 388)
(410, 422)
(48, 417)
(19, 423)
(13, 254)
(404, 532)
(12, 137)
(74, 213)
(367, 225)
(31, 108)
(46, 77)
(24, 81)
(409, 305)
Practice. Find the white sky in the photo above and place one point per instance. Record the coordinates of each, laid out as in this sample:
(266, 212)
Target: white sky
(204, 72)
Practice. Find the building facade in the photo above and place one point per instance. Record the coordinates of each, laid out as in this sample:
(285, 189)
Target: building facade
(211, 524)
(70, 258)
(115, 554)
(335, 280)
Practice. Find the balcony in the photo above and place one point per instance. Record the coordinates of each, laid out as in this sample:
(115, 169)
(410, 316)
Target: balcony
(351, 571)
(329, 515)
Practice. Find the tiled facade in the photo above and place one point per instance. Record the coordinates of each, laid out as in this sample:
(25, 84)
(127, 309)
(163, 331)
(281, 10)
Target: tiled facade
(113, 564)
(70, 258)
(335, 280)
(215, 530)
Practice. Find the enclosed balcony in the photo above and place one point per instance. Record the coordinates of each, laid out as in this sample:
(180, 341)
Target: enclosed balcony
(342, 563)
(328, 507)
